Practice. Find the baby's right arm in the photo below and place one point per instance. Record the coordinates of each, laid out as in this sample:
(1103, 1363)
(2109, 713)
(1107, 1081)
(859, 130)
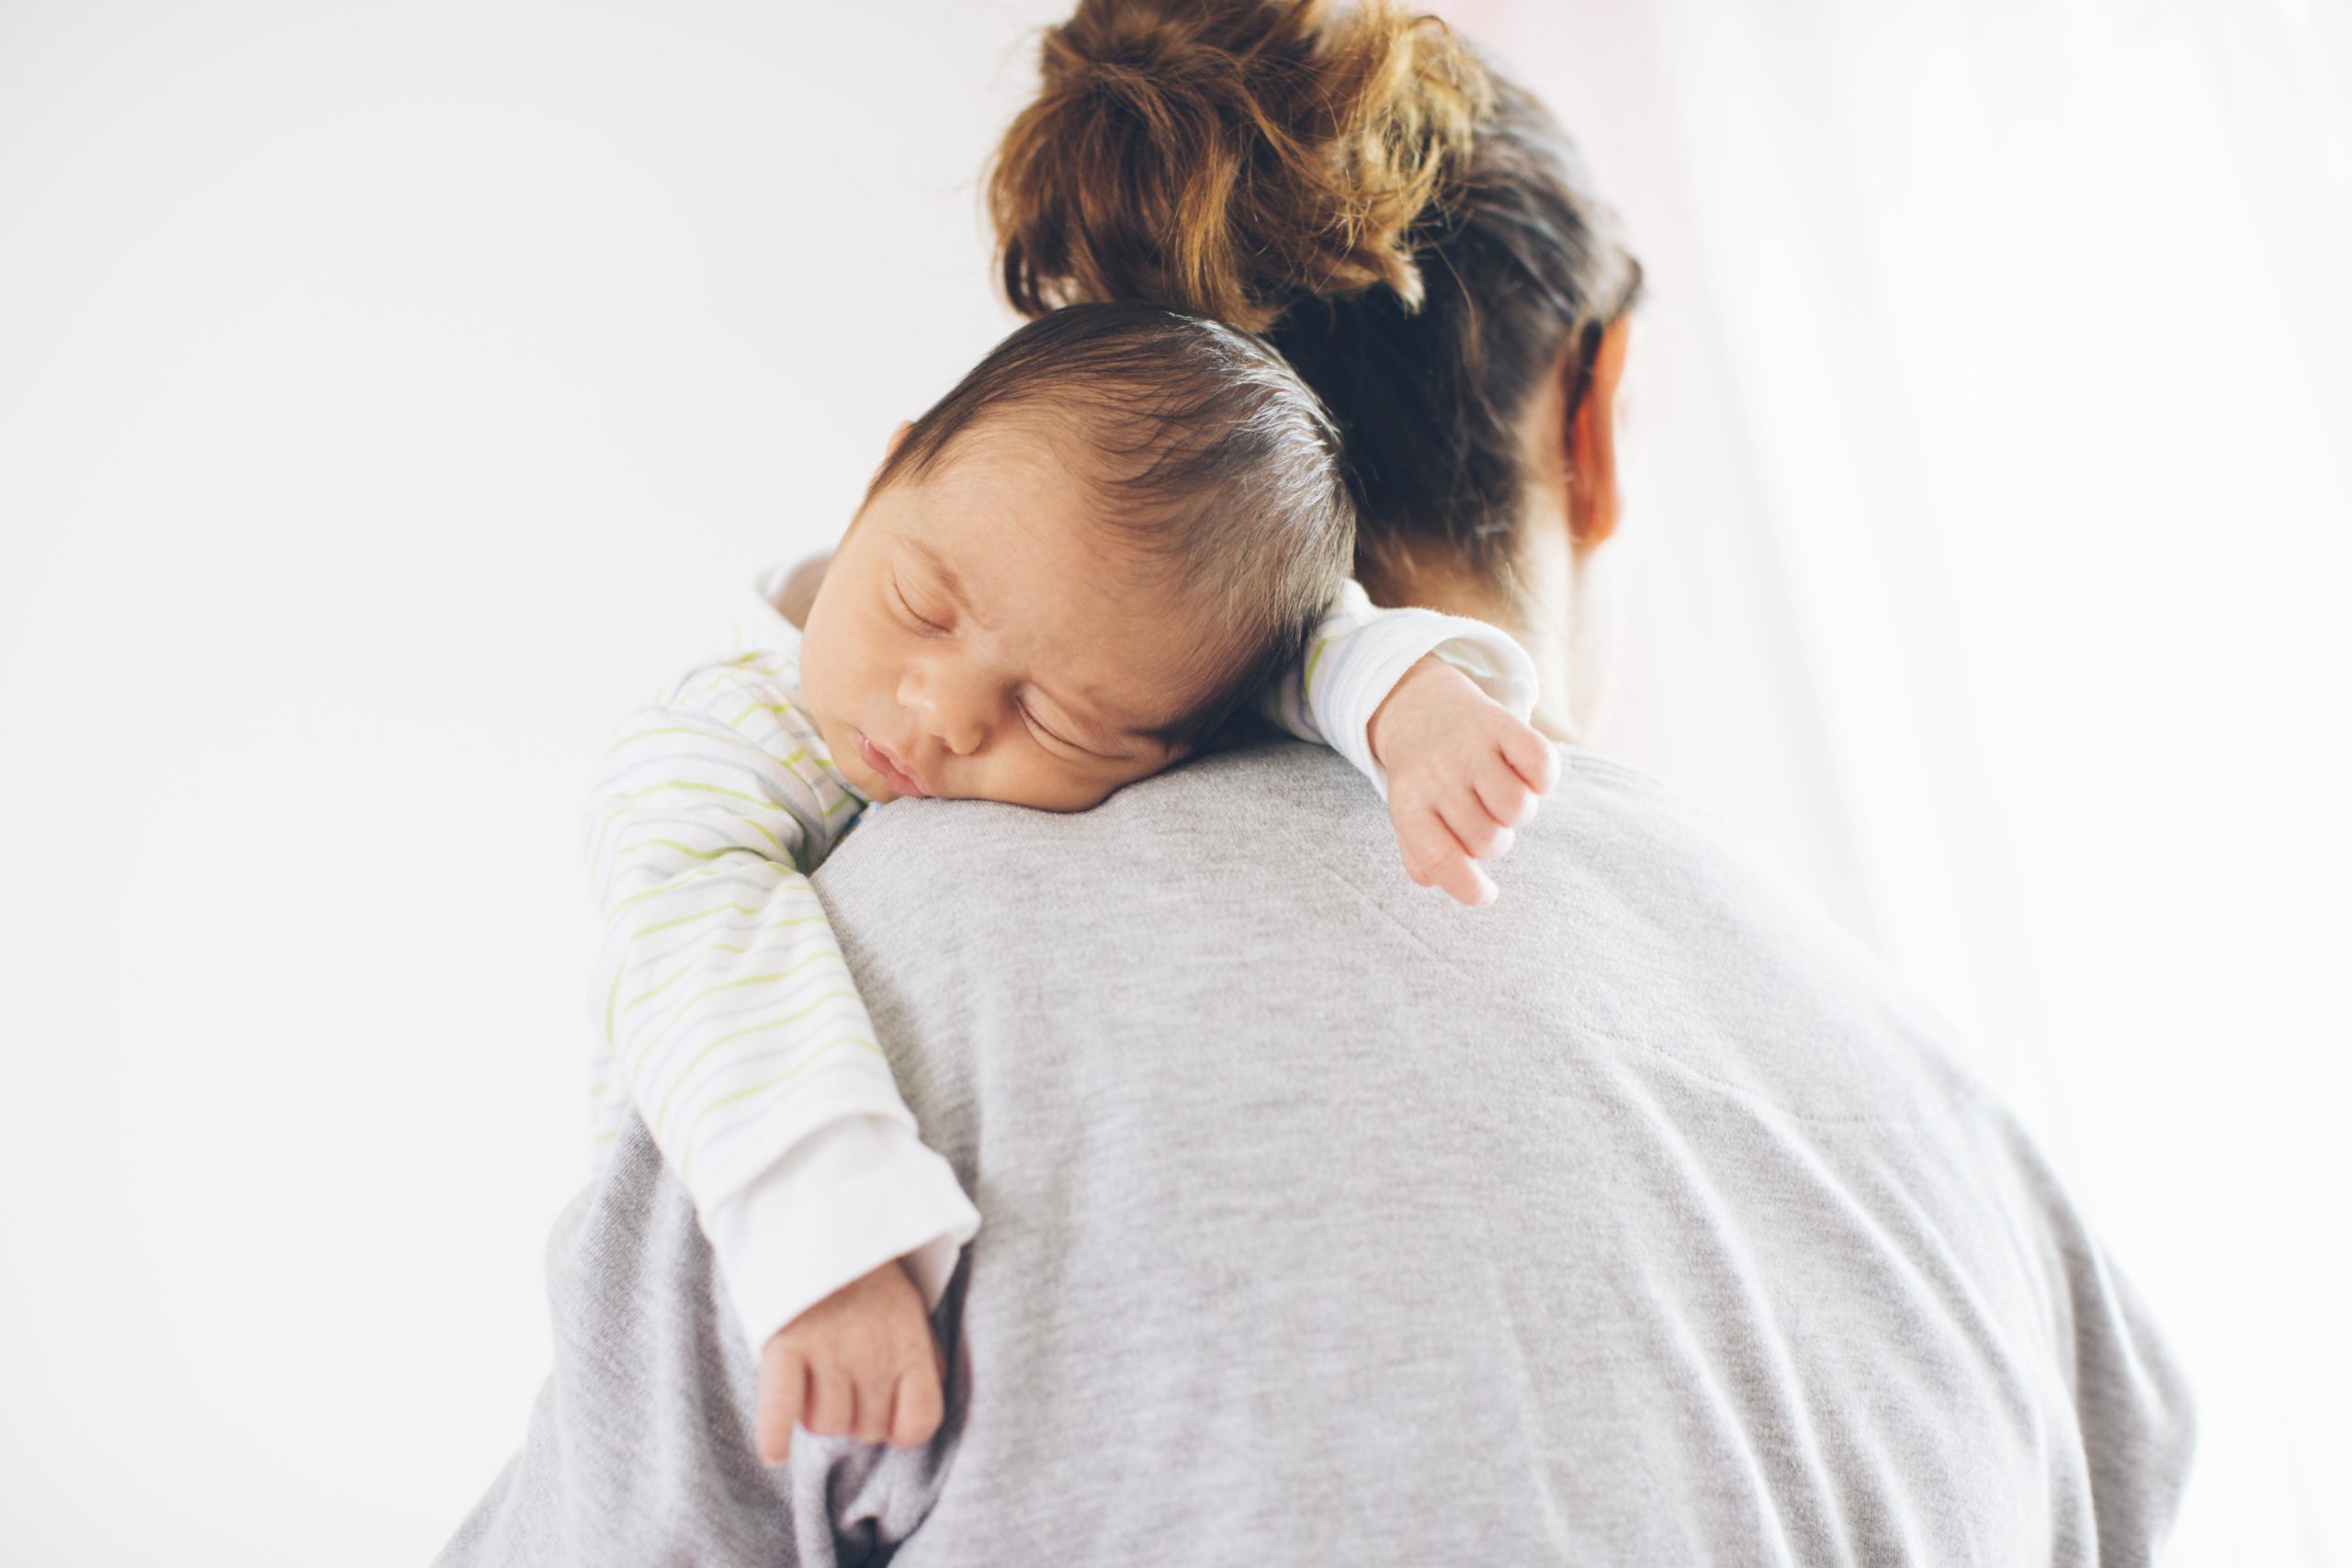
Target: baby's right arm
(1433, 710)
(726, 1010)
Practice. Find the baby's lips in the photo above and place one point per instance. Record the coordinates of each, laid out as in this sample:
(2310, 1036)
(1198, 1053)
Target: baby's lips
(879, 761)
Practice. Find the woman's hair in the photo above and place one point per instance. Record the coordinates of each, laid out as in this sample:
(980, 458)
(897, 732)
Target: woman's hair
(1215, 470)
(1412, 232)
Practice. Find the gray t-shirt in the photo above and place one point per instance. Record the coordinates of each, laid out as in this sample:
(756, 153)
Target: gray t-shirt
(1640, 1218)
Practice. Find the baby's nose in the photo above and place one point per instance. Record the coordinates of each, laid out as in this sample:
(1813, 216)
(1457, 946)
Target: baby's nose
(958, 724)
(956, 716)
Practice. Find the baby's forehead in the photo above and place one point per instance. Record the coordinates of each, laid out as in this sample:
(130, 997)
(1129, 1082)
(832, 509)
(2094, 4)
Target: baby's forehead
(1055, 579)
(1059, 509)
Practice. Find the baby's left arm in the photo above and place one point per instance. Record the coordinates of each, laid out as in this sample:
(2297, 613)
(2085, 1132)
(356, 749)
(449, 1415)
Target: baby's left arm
(1432, 709)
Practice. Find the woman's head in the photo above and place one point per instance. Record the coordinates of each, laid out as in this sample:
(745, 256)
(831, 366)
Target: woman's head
(1072, 569)
(1412, 230)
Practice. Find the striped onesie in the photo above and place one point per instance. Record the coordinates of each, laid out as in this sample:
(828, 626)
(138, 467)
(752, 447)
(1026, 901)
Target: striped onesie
(725, 1015)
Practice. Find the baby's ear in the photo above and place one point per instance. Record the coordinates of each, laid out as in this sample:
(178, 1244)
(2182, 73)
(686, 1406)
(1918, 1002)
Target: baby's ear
(798, 594)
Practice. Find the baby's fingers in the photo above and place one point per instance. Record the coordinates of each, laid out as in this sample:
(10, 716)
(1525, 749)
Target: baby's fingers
(1474, 826)
(784, 1387)
(832, 1399)
(917, 1413)
(874, 1415)
(1435, 858)
(1467, 883)
(1505, 798)
(1530, 757)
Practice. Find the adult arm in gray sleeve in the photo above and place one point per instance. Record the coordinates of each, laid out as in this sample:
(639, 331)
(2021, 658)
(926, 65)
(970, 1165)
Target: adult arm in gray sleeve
(2133, 1406)
(639, 1451)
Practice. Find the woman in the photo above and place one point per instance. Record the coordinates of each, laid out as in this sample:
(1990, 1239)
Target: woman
(1646, 1222)
(1410, 229)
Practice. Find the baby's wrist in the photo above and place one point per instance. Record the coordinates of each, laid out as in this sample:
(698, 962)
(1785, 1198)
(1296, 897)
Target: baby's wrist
(1425, 672)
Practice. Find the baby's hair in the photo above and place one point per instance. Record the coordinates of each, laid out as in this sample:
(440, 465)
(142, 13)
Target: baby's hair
(1212, 461)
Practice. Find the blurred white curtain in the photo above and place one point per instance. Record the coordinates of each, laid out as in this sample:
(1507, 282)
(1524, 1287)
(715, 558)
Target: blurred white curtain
(1994, 402)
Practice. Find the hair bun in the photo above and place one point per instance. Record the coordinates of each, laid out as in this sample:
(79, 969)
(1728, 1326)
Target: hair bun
(1232, 156)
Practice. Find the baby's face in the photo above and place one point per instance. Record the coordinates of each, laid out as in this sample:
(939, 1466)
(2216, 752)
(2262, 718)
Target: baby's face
(975, 638)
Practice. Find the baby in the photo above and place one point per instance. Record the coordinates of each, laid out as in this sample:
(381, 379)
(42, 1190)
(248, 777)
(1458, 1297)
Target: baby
(1123, 530)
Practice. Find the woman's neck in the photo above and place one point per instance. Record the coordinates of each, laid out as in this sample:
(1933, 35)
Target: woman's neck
(1534, 604)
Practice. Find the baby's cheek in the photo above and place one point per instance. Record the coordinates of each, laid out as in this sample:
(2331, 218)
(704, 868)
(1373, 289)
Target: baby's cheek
(816, 674)
(1052, 788)
(1045, 781)
(821, 698)
(1093, 792)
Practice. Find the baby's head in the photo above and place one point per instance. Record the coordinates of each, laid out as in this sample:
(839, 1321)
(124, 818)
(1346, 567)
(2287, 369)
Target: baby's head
(1079, 564)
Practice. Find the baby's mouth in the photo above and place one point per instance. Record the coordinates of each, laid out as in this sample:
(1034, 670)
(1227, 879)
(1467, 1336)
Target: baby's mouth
(883, 763)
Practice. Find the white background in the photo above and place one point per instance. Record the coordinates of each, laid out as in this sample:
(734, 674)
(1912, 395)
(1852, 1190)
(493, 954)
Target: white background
(390, 395)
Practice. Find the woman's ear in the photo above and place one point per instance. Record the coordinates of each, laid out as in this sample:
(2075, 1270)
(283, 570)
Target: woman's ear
(1593, 503)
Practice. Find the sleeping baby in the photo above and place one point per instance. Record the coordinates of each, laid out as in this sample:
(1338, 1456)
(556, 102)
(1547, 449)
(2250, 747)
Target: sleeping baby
(1123, 533)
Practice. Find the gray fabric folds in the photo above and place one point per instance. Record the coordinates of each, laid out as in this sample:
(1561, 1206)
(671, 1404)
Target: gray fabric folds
(1641, 1218)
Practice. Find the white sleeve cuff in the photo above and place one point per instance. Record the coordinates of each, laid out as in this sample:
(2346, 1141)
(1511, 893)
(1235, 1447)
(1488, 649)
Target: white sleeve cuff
(1494, 659)
(847, 1198)
(1382, 649)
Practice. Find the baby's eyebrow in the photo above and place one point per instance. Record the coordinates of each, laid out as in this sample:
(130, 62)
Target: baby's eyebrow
(950, 583)
(1090, 713)
(1086, 717)
(1103, 722)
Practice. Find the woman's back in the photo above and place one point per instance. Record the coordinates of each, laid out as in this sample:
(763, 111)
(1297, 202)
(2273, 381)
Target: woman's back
(1638, 1218)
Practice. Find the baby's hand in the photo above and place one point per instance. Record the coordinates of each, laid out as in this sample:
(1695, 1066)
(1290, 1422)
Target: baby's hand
(1462, 772)
(862, 1361)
